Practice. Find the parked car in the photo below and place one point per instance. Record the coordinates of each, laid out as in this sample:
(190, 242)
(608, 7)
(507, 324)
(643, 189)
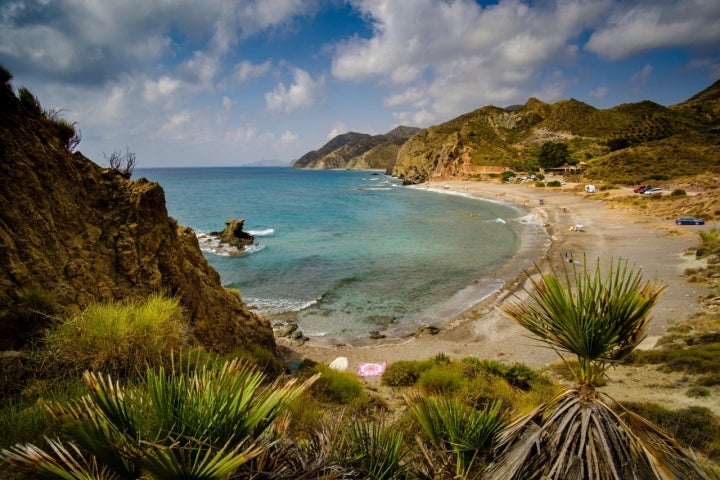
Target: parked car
(652, 191)
(689, 221)
(641, 188)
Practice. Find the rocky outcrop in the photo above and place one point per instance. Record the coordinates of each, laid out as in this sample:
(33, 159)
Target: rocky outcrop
(81, 234)
(358, 151)
(234, 235)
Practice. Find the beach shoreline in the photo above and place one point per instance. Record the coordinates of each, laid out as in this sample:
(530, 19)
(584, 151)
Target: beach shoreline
(654, 245)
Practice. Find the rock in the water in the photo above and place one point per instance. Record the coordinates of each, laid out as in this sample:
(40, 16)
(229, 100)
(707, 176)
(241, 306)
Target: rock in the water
(234, 235)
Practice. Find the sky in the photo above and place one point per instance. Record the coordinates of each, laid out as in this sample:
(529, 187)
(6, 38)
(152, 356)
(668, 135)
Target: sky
(260, 82)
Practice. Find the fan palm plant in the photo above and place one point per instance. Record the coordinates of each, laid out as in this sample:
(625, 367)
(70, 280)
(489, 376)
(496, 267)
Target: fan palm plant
(460, 437)
(598, 320)
(200, 422)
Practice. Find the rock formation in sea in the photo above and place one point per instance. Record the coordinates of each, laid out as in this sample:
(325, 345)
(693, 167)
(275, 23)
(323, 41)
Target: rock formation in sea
(73, 233)
(234, 235)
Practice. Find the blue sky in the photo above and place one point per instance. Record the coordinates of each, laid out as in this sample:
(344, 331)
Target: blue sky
(222, 82)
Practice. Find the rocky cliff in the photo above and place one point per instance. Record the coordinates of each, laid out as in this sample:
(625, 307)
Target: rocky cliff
(80, 234)
(358, 151)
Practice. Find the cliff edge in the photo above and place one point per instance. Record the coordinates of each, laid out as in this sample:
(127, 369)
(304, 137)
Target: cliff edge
(82, 234)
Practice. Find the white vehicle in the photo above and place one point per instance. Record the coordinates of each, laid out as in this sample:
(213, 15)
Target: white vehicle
(590, 188)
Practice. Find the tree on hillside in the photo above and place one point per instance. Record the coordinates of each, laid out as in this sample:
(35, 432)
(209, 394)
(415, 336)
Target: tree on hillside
(553, 155)
(578, 434)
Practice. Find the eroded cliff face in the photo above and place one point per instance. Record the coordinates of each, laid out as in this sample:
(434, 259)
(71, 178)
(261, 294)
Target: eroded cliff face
(83, 234)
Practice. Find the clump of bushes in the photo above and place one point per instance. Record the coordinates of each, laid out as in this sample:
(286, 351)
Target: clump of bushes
(338, 387)
(120, 338)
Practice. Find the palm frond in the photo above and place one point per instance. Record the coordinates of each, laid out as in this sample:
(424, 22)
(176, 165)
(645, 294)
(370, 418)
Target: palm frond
(66, 462)
(464, 434)
(600, 319)
(577, 435)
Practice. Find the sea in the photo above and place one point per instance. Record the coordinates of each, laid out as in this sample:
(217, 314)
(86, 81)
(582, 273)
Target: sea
(346, 253)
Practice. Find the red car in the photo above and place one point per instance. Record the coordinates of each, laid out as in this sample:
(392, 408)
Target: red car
(641, 188)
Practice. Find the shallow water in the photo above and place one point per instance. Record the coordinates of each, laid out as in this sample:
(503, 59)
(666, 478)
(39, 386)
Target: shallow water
(345, 252)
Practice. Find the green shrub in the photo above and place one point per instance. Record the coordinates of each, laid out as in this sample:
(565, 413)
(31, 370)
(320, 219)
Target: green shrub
(507, 174)
(659, 176)
(554, 183)
(338, 387)
(119, 338)
(440, 380)
(540, 184)
(697, 392)
(29, 101)
(608, 186)
(678, 192)
(404, 373)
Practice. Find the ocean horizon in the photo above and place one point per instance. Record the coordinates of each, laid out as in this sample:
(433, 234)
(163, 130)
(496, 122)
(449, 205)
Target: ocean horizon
(345, 253)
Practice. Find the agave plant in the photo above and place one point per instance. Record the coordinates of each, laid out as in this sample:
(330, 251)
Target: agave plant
(461, 438)
(193, 423)
(598, 320)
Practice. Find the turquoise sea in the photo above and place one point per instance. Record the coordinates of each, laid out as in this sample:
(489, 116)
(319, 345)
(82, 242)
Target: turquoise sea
(344, 253)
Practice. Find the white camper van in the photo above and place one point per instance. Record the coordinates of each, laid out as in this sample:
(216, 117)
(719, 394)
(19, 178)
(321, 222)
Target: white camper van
(590, 188)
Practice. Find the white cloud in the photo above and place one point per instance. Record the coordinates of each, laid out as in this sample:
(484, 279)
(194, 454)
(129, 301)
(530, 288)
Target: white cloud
(599, 93)
(246, 70)
(638, 26)
(338, 129)
(289, 137)
(452, 56)
(301, 93)
(640, 77)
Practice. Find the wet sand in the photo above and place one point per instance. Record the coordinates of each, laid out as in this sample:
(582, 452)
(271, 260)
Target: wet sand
(655, 245)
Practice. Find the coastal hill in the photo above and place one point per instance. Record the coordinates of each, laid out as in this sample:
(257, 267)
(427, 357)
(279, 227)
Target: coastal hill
(626, 144)
(73, 233)
(358, 151)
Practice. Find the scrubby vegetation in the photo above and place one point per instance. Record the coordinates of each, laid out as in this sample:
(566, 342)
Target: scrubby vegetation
(188, 413)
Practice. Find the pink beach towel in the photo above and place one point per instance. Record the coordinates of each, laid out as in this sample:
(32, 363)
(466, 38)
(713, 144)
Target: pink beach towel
(371, 369)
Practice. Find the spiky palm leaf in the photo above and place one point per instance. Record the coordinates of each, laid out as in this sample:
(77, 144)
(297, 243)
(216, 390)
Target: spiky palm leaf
(599, 320)
(376, 451)
(577, 435)
(462, 436)
(199, 423)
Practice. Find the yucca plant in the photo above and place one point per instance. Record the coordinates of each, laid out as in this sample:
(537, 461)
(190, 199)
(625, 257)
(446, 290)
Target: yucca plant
(599, 321)
(199, 422)
(460, 437)
(376, 451)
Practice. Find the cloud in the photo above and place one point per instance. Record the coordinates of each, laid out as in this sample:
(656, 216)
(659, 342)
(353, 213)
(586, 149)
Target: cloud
(289, 137)
(246, 70)
(639, 26)
(599, 93)
(641, 76)
(338, 129)
(441, 58)
(93, 42)
(301, 93)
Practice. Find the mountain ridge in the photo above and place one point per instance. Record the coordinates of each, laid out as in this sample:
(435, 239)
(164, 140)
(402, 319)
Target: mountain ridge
(625, 144)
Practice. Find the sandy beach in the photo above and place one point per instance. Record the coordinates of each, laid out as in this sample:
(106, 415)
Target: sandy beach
(655, 245)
